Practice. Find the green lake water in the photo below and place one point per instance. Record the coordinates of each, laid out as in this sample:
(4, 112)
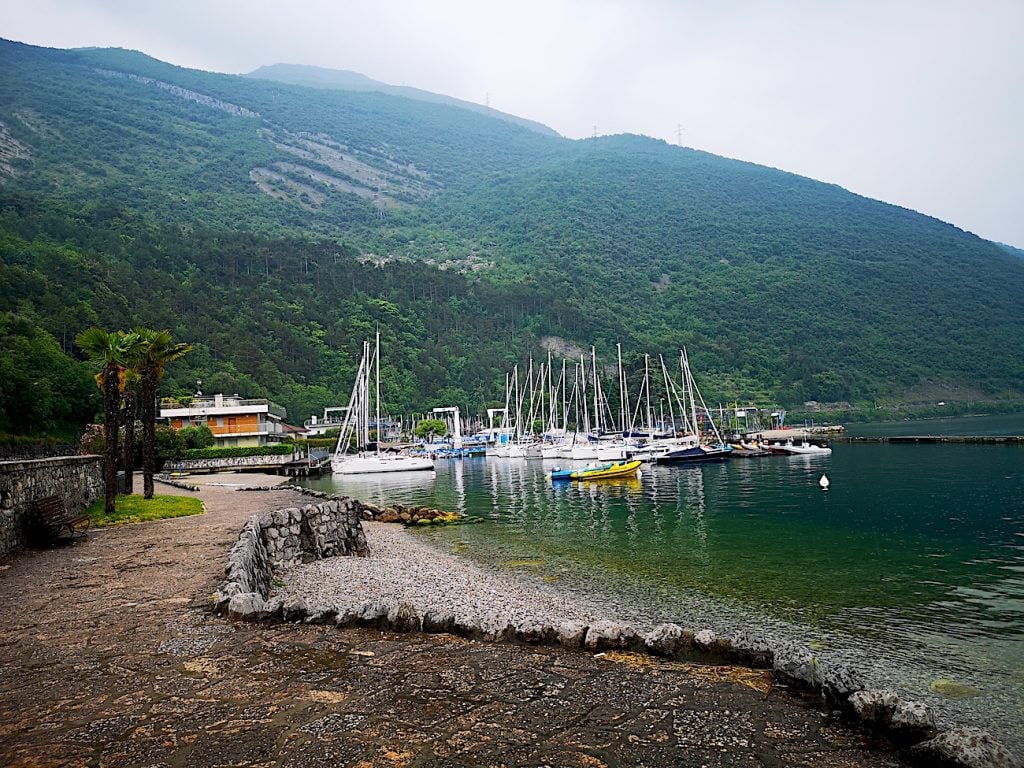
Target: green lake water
(911, 566)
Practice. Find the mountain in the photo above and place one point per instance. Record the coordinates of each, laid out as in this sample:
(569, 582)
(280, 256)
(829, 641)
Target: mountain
(274, 225)
(345, 80)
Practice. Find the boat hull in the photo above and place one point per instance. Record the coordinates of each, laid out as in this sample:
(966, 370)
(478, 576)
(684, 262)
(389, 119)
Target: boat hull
(692, 456)
(371, 465)
(603, 472)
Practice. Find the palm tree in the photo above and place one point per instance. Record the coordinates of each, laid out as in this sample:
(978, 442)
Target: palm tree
(130, 378)
(109, 352)
(156, 352)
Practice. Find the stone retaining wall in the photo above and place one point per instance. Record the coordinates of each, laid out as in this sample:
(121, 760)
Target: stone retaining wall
(232, 462)
(78, 480)
(283, 538)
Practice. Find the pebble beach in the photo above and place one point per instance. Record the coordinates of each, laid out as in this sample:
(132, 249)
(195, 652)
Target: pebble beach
(403, 569)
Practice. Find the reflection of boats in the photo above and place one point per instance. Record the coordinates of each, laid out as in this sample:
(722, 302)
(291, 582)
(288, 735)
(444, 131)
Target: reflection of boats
(804, 449)
(356, 428)
(608, 471)
(387, 487)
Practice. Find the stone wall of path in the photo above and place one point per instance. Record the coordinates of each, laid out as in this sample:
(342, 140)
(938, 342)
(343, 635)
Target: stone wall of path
(285, 537)
(230, 463)
(78, 480)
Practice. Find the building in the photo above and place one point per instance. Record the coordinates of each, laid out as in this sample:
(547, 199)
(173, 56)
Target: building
(234, 421)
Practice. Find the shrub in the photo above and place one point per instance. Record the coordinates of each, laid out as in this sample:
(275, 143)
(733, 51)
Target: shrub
(236, 452)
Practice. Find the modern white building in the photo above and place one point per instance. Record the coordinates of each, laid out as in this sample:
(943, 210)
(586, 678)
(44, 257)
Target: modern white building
(234, 421)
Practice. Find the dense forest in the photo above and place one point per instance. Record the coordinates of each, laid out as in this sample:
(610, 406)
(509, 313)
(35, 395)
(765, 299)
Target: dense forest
(273, 226)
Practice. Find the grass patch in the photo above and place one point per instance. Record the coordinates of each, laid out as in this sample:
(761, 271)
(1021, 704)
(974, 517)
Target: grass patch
(136, 509)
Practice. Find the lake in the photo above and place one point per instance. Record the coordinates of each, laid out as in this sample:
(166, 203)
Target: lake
(910, 567)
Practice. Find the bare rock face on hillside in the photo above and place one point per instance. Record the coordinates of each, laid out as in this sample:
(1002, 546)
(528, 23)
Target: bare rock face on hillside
(11, 150)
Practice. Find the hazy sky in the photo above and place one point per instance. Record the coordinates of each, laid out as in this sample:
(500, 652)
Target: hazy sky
(918, 103)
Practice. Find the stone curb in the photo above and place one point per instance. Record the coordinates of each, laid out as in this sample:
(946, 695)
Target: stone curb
(908, 724)
(175, 483)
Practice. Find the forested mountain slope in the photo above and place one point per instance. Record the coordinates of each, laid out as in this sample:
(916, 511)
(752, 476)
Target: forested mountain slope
(273, 225)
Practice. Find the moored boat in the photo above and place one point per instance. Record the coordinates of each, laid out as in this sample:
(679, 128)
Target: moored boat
(695, 454)
(803, 449)
(615, 469)
(355, 430)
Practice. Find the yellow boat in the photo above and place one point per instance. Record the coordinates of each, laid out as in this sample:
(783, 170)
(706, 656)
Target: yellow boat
(597, 471)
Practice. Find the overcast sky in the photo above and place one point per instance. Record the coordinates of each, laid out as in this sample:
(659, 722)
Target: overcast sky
(916, 103)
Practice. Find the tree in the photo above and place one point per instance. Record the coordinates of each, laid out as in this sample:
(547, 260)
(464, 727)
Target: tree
(109, 352)
(129, 413)
(430, 428)
(198, 437)
(156, 353)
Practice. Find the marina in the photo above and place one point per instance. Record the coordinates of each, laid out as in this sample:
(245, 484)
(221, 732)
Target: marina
(911, 566)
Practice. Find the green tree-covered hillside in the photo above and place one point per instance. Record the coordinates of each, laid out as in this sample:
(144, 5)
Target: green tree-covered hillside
(274, 225)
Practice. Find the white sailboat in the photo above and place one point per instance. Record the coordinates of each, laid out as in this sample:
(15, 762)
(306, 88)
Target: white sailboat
(356, 428)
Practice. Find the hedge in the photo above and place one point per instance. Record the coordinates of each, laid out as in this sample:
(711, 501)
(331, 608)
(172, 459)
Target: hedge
(231, 453)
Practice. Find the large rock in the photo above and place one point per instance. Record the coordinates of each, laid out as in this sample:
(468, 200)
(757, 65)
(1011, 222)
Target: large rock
(534, 632)
(294, 609)
(404, 618)
(571, 634)
(874, 707)
(905, 721)
(603, 635)
(752, 649)
(795, 664)
(839, 682)
(666, 640)
(439, 622)
(246, 606)
(960, 747)
(372, 614)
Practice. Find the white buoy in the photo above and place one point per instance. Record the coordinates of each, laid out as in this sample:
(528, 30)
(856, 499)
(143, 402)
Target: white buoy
(823, 482)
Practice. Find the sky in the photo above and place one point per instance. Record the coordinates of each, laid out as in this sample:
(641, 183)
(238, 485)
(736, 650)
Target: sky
(919, 103)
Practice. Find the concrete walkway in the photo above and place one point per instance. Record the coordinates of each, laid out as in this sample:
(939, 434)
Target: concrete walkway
(110, 658)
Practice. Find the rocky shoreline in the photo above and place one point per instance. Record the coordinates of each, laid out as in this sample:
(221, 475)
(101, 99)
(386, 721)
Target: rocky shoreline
(407, 585)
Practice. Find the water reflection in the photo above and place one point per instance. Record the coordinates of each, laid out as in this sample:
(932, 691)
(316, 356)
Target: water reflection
(387, 488)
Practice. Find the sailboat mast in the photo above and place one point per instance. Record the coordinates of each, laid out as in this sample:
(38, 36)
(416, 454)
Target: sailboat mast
(622, 391)
(565, 405)
(647, 386)
(377, 404)
(668, 395)
(551, 397)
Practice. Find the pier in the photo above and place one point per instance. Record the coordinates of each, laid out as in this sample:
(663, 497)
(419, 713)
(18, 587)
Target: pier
(318, 462)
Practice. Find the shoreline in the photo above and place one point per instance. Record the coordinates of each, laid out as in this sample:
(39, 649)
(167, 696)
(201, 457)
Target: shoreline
(405, 568)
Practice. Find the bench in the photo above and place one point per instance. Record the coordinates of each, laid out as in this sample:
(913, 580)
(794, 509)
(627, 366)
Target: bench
(54, 523)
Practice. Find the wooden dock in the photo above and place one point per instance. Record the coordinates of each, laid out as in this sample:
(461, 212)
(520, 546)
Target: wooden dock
(317, 464)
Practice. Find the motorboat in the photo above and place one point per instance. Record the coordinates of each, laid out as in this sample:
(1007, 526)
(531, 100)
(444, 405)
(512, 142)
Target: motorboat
(607, 471)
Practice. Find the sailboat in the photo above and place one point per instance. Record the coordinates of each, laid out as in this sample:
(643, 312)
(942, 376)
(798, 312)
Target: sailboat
(695, 451)
(355, 429)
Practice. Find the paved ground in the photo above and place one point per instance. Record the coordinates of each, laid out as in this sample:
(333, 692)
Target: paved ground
(110, 659)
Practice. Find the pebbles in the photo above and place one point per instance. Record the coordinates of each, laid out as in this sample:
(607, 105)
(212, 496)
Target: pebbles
(402, 570)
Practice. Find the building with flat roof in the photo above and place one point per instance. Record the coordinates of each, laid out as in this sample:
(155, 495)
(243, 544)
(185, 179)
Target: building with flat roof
(234, 421)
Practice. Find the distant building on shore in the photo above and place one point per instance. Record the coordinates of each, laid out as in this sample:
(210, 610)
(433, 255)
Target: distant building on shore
(234, 421)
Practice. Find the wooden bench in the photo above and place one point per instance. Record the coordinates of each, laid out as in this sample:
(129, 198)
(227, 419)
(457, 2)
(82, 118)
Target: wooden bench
(54, 523)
